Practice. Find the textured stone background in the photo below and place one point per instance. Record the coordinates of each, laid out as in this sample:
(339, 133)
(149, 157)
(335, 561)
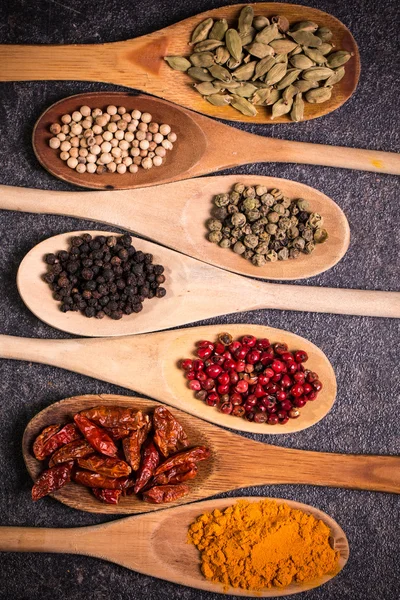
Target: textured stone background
(362, 350)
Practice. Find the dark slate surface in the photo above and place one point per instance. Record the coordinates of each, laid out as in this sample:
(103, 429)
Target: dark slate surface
(362, 350)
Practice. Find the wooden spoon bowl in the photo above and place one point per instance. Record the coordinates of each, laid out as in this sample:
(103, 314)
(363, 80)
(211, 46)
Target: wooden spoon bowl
(175, 215)
(235, 461)
(139, 63)
(156, 544)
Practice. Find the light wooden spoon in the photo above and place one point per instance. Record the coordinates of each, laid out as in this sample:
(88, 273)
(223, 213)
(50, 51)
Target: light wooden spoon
(175, 215)
(156, 544)
(235, 461)
(203, 146)
(149, 364)
(139, 63)
(195, 291)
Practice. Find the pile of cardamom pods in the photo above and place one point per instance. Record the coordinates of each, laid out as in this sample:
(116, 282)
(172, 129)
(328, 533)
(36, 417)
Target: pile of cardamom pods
(264, 226)
(263, 63)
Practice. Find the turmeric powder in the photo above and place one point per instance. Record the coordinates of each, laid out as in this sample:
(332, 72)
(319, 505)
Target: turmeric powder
(257, 545)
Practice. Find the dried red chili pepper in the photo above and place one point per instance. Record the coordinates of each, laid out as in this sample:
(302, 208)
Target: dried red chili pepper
(176, 475)
(133, 444)
(169, 434)
(95, 480)
(67, 434)
(96, 436)
(111, 467)
(193, 455)
(161, 494)
(107, 496)
(117, 433)
(52, 480)
(116, 416)
(71, 451)
(42, 439)
(148, 465)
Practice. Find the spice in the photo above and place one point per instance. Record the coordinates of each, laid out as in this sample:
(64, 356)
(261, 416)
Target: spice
(103, 276)
(264, 225)
(271, 55)
(118, 441)
(258, 545)
(265, 380)
(115, 140)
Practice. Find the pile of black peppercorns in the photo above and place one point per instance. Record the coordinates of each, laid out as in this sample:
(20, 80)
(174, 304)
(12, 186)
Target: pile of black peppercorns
(103, 276)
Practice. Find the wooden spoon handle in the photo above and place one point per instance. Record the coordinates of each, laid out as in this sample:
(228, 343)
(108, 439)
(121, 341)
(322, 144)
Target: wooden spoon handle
(261, 149)
(37, 539)
(329, 300)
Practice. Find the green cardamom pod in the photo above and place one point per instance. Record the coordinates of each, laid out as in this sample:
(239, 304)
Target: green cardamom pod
(281, 58)
(269, 33)
(261, 95)
(263, 66)
(324, 33)
(274, 97)
(297, 50)
(178, 63)
(202, 30)
(337, 76)
(317, 73)
(243, 105)
(275, 74)
(234, 43)
(319, 95)
(325, 48)
(232, 63)
(207, 45)
(300, 61)
(260, 50)
(290, 77)
(220, 73)
(283, 46)
(221, 55)
(315, 55)
(218, 30)
(202, 59)
(245, 72)
(339, 58)
(303, 86)
(245, 90)
(245, 19)
(305, 26)
(289, 93)
(306, 38)
(280, 108)
(229, 85)
(260, 23)
(247, 59)
(282, 22)
(247, 39)
(206, 88)
(199, 74)
(297, 112)
(219, 99)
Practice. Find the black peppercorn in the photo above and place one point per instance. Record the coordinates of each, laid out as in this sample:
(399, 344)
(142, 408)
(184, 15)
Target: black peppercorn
(51, 259)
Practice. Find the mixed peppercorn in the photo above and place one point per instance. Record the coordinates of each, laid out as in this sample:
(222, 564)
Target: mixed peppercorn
(119, 452)
(252, 378)
(264, 226)
(103, 276)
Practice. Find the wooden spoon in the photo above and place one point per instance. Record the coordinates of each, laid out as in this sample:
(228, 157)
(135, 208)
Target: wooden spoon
(235, 461)
(149, 364)
(139, 63)
(195, 291)
(203, 146)
(156, 544)
(175, 215)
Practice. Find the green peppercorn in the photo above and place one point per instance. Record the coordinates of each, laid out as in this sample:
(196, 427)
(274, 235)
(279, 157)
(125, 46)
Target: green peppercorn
(271, 228)
(264, 237)
(303, 204)
(294, 220)
(221, 200)
(310, 247)
(292, 232)
(273, 217)
(238, 219)
(225, 243)
(249, 192)
(239, 248)
(232, 209)
(249, 204)
(267, 200)
(247, 229)
(286, 202)
(226, 231)
(280, 235)
(214, 225)
(215, 237)
(278, 208)
(272, 256)
(220, 213)
(233, 240)
(294, 210)
(283, 254)
(259, 260)
(239, 188)
(284, 223)
(264, 210)
(248, 254)
(299, 243)
(277, 194)
(262, 248)
(261, 190)
(315, 220)
(234, 197)
(320, 236)
(257, 227)
(294, 253)
(250, 241)
(307, 234)
(253, 215)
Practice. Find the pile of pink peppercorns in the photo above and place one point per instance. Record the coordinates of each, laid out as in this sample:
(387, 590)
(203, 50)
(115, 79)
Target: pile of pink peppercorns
(252, 378)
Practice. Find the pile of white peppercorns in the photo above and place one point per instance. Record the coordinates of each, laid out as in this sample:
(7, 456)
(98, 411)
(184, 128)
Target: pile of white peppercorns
(113, 141)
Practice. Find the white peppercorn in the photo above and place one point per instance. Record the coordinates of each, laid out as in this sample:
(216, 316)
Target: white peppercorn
(55, 128)
(165, 129)
(66, 119)
(54, 143)
(107, 136)
(65, 146)
(136, 114)
(74, 141)
(80, 168)
(91, 167)
(157, 161)
(112, 167)
(147, 163)
(74, 152)
(85, 111)
(133, 169)
(112, 110)
(121, 168)
(72, 162)
(64, 155)
(146, 117)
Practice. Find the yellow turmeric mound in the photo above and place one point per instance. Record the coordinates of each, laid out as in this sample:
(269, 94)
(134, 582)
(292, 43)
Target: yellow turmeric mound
(256, 545)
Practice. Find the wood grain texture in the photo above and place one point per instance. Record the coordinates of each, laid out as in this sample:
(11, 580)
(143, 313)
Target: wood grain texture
(138, 63)
(149, 364)
(203, 146)
(235, 461)
(175, 215)
(156, 544)
(195, 291)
